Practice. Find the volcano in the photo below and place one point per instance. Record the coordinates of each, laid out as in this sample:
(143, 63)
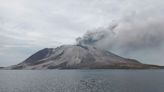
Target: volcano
(79, 57)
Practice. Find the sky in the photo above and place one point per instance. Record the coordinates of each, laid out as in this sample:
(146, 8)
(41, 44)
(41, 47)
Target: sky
(27, 26)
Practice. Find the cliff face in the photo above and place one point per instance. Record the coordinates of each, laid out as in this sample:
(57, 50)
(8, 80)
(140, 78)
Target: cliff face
(78, 57)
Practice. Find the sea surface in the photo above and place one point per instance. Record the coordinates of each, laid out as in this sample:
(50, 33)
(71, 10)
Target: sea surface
(82, 80)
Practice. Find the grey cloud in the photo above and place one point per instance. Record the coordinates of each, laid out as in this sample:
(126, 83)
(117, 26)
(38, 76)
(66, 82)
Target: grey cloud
(131, 38)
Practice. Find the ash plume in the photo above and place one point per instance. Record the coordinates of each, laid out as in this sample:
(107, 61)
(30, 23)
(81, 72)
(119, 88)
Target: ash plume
(140, 39)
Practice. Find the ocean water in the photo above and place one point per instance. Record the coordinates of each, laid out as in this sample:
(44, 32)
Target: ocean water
(82, 80)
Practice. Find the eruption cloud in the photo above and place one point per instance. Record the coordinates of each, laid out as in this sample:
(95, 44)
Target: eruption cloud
(132, 38)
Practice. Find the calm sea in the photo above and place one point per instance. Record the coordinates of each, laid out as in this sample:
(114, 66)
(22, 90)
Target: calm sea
(82, 81)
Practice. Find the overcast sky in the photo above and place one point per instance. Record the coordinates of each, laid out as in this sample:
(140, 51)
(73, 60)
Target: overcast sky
(27, 26)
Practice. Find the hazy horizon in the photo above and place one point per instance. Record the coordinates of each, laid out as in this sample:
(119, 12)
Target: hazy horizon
(129, 28)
